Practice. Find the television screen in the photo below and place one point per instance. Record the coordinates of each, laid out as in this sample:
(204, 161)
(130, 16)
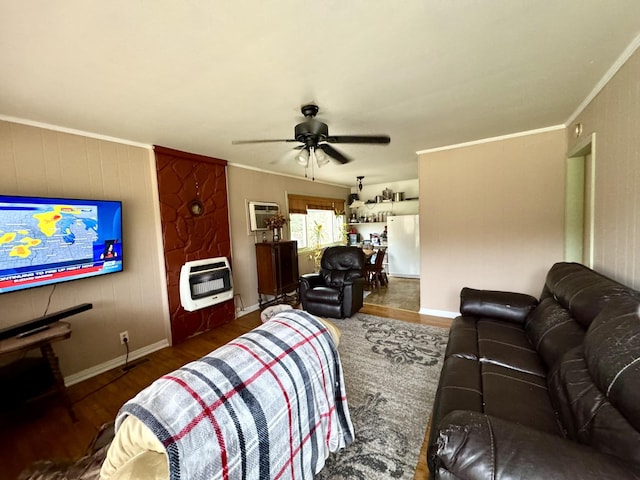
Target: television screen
(51, 240)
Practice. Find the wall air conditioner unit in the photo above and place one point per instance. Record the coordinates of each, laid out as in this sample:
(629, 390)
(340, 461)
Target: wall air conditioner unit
(259, 212)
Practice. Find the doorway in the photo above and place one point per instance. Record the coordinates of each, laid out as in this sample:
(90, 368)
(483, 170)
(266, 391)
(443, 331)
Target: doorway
(579, 202)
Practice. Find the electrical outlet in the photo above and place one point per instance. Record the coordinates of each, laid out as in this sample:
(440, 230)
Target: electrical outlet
(124, 337)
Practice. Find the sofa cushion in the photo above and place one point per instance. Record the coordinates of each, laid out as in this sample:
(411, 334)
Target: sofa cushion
(326, 295)
(560, 395)
(581, 290)
(586, 413)
(341, 265)
(135, 452)
(463, 339)
(612, 352)
(502, 343)
(460, 387)
(490, 367)
(518, 397)
(509, 306)
(505, 344)
(473, 446)
(552, 331)
(338, 278)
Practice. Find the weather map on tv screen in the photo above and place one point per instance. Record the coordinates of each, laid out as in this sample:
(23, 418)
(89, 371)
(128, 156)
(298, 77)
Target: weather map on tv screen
(51, 240)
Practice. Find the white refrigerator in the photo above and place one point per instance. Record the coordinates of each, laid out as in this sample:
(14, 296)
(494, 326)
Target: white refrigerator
(403, 242)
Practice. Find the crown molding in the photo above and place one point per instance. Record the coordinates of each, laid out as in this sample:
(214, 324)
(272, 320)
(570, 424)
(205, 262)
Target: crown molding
(492, 139)
(261, 170)
(73, 131)
(617, 65)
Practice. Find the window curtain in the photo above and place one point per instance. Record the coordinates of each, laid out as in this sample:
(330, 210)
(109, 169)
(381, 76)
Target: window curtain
(302, 203)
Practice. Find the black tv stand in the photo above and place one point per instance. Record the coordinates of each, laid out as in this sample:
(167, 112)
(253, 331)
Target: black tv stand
(39, 324)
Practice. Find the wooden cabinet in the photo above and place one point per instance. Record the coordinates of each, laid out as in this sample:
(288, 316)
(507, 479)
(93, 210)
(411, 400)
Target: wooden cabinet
(277, 264)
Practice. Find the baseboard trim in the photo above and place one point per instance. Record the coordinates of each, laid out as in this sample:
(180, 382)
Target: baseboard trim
(115, 363)
(423, 311)
(438, 313)
(248, 310)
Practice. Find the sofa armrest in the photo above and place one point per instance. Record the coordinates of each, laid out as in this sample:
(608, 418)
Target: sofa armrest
(311, 280)
(353, 277)
(509, 306)
(473, 445)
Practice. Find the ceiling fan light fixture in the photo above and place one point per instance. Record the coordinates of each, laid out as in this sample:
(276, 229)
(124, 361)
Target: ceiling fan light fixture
(303, 157)
(316, 142)
(321, 157)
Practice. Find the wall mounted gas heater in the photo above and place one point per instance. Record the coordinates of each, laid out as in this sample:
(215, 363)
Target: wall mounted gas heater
(205, 282)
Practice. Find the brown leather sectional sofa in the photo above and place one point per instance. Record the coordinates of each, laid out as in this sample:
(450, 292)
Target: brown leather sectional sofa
(541, 389)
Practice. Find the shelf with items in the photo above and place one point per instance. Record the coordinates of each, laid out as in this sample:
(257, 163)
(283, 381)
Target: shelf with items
(372, 233)
(384, 209)
(370, 217)
(384, 203)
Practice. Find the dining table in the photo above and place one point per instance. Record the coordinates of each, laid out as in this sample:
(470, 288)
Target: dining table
(370, 251)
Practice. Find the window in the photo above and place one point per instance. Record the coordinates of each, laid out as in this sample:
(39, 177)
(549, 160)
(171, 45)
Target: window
(313, 220)
(316, 226)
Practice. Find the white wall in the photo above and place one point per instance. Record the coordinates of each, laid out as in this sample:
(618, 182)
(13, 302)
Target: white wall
(491, 216)
(245, 185)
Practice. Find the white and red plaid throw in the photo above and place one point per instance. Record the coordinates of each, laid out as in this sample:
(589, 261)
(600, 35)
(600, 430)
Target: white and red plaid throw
(269, 405)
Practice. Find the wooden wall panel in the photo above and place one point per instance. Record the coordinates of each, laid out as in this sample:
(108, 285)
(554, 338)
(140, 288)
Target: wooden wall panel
(182, 178)
(41, 161)
(614, 116)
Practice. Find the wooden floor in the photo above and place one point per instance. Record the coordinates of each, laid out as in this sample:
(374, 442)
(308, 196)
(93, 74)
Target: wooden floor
(43, 430)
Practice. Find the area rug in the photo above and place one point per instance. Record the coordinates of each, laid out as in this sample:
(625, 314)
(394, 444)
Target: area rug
(391, 371)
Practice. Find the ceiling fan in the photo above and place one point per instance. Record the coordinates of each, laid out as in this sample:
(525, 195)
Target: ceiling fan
(315, 139)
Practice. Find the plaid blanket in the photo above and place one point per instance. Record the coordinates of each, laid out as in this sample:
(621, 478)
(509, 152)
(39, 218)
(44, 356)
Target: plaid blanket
(269, 405)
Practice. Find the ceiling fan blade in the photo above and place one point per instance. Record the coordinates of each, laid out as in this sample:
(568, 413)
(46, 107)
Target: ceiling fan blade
(284, 159)
(333, 153)
(241, 142)
(380, 139)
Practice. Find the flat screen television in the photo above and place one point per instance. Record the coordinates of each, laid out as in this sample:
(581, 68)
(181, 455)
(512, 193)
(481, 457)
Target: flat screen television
(50, 240)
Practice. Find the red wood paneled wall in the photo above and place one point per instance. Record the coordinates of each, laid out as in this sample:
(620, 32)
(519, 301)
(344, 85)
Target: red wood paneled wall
(182, 178)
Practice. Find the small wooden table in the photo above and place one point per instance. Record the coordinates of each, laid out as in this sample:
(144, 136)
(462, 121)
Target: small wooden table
(43, 339)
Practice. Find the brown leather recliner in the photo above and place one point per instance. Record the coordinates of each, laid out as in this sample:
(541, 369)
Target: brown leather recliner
(541, 389)
(338, 289)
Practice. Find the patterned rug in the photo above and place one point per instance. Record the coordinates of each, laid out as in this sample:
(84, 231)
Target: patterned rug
(391, 371)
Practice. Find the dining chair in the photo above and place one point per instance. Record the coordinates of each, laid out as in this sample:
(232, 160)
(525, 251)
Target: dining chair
(374, 272)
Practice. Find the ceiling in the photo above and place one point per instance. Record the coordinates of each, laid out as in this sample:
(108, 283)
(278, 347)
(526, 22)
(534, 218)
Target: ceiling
(196, 75)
